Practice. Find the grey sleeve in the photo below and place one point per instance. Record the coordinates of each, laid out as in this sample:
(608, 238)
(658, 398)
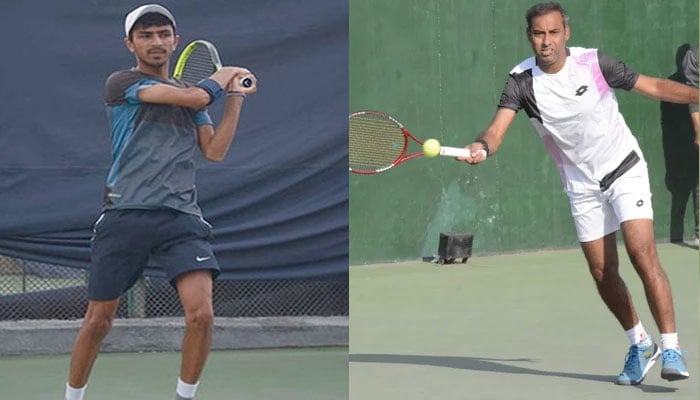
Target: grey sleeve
(690, 71)
(690, 67)
(616, 73)
(510, 97)
(116, 85)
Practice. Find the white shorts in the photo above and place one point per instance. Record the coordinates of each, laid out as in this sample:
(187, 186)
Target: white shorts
(597, 214)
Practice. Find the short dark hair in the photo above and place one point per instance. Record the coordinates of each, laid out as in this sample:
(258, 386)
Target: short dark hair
(151, 19)
(545, 8)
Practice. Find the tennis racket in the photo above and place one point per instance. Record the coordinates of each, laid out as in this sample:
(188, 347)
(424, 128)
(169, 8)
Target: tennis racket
(198, 60)
(379, 142)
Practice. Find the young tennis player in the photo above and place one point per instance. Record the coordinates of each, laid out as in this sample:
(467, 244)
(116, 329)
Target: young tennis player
(567, 93)
(150, 205)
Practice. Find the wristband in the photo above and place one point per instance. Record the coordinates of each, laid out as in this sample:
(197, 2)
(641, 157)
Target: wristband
(212, 88)
(486, 145)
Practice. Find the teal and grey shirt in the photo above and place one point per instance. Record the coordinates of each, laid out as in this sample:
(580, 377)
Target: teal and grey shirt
(153, 147)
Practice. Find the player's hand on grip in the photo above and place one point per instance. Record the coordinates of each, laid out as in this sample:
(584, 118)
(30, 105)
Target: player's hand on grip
(477, 153)
(242, 81)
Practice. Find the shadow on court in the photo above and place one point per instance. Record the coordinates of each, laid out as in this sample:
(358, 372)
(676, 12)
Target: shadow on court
(491, 365)
(517, 326)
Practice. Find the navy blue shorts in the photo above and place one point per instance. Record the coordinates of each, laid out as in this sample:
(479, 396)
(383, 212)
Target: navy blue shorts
(126, 241)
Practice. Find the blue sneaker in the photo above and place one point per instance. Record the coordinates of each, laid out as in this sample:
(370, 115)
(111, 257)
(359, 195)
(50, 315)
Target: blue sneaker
(639, 360)
(673, 365)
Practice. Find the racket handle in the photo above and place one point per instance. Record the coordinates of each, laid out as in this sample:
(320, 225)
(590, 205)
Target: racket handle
(246, 82)
(457, 151)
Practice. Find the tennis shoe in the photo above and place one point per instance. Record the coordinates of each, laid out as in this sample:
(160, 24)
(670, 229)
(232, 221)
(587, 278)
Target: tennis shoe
(673, 365)
(639, 360)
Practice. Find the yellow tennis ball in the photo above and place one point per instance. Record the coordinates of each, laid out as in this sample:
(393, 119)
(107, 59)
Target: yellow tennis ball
(431, 148)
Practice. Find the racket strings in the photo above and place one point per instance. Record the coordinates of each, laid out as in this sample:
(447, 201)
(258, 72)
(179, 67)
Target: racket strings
(375, 142)
(199, 65)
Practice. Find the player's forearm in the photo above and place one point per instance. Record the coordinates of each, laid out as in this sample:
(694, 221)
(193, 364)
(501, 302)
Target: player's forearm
(679, 93)
(493, 135)
(492, 139)
(666, 90)
(224, 133)
(223, 76)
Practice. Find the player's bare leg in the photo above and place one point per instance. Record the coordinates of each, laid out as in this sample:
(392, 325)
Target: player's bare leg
(603, 264)
(639, 241)
(96, 325)
(195, 291)
(641, 247)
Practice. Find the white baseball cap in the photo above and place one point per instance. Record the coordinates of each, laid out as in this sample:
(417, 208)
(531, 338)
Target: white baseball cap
(134, 15)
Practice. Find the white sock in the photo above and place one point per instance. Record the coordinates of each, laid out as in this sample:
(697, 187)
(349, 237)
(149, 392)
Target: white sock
(670, 341)
(73, 393)
(638, 335)
(186, 390)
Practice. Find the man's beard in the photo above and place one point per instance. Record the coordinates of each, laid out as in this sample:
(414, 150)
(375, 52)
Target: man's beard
(154, 65)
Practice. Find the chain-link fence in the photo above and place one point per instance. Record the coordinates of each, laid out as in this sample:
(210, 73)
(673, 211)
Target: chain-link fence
(32, 290)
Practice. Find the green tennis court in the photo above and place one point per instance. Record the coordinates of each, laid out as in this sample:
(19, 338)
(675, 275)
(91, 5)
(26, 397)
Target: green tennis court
(518, 326)
(276, 374)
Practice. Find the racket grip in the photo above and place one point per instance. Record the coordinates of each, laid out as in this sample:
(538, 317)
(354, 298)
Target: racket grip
(246, 82)
(456, 152)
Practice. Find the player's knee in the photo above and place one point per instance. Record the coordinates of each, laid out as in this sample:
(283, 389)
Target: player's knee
(604, 274)
(643, 255)
(199, 318)
(97, 326)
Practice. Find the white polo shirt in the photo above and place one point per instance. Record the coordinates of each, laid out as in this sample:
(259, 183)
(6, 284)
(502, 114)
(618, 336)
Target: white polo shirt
(576, 114)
